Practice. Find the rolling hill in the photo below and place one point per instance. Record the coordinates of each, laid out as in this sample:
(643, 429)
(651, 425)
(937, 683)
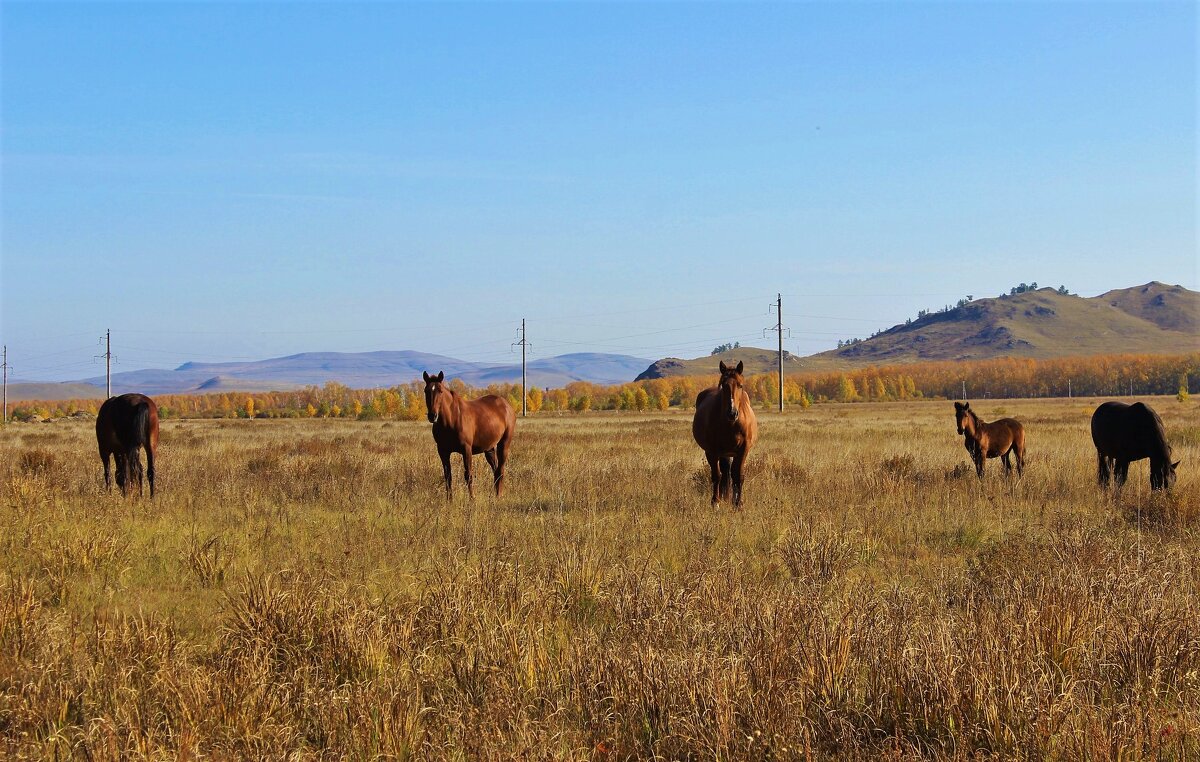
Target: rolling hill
(360, 370)
(1153, 319)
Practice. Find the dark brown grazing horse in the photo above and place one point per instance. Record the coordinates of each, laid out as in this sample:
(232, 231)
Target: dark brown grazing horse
(725, 428)
(990, 440)
(124, 425)
(1125, 433)
(467, 427)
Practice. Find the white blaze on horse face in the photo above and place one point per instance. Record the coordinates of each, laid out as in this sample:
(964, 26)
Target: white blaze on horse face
(431, 397)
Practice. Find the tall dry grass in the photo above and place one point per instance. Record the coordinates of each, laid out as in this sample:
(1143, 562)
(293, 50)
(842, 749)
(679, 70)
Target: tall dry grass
(302, 589)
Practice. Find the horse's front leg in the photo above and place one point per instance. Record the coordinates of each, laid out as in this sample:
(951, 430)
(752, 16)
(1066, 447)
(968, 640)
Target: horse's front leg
(1121, 472)
(715, 475)
(445, 456)
(105, 458)
(1102, 469)
(738, 460)
(467, 472)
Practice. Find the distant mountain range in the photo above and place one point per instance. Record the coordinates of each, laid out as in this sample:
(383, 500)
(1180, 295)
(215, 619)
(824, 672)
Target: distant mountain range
(358, 370)
(1153, 319)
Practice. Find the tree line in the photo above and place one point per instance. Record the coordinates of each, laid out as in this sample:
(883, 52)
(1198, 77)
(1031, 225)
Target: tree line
(1095, 376)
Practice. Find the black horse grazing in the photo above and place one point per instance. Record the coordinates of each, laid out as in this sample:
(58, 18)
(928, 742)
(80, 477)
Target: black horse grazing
(1125, 433)
(124, 425)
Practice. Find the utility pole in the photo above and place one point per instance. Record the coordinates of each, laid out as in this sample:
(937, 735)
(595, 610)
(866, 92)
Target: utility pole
(107, 363)
(4, 365)
(779, 330)
(524, 392)
(964, 390)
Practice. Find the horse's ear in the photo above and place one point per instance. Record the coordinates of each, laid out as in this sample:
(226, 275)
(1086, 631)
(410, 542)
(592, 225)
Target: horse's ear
(724, 369)
(958, 406)
(425, 376)
(966, 406)
(441, 376)
(739, 367)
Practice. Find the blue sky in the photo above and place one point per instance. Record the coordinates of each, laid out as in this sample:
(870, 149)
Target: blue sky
(236, 181)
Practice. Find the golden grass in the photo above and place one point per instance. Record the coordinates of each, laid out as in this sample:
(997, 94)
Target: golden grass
(303, 589)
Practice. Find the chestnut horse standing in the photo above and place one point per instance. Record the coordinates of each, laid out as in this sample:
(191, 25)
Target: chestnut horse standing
(725, 428)
(467, 427)
(990, 440)
(1124, 433)
(124, 425)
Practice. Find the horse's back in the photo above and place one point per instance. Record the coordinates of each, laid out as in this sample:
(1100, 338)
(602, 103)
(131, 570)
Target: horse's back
(1127, 432)
(494, 420)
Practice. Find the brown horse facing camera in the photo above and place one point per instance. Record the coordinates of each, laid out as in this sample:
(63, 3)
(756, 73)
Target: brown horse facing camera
(725, 428)
(990, 440)
(467, 427)
(124, 425)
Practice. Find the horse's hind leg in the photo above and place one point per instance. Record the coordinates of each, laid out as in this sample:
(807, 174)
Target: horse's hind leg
(150, 468)
(502, 459)
(1007, 464)
(494, 462)
(105, 458)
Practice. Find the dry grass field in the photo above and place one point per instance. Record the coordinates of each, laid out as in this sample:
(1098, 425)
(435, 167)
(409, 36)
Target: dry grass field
(302, 589)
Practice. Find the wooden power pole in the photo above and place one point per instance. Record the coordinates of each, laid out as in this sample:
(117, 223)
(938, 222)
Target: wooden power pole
(779, 329)
(524, 391)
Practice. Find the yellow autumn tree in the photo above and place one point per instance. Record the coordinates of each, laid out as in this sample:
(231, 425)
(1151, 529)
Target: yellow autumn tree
(535, 399)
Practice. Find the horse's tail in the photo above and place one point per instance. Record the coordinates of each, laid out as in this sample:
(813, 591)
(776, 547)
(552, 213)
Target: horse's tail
(139, 437)
(140, 427)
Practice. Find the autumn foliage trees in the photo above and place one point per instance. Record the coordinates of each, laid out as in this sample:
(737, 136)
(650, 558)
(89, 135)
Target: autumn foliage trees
(1098, 376)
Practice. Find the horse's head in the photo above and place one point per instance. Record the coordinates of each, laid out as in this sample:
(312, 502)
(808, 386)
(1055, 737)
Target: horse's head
(964, 418)
(730, 384)
(434, 392)
(1163, 477)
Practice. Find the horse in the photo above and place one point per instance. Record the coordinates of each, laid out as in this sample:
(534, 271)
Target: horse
(124, 425)
(725, 428)
(990, 440)
(467, 427)
(1124, 433)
